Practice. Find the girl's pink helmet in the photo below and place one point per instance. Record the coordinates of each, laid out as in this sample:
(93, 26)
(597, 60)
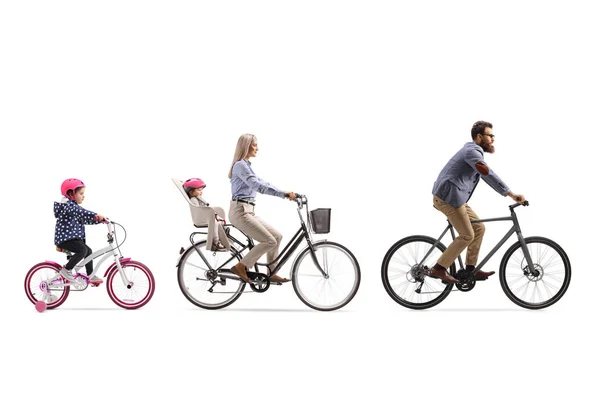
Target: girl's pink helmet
(70, 184)
(193, 183)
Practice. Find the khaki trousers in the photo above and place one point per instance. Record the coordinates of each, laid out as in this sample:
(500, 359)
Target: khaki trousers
(470, 235)
(242, 217)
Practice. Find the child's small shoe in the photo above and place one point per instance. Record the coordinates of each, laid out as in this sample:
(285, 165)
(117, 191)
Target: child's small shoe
(67, 274)
(94, 280)
(217, 246)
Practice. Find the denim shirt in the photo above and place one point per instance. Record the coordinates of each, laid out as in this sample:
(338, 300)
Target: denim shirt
(460, 176)
(245, 183)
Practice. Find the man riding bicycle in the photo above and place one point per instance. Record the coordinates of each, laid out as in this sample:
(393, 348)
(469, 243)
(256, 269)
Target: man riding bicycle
(453, 189)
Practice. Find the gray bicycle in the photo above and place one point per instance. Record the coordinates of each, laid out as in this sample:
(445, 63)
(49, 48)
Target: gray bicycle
(535, 272)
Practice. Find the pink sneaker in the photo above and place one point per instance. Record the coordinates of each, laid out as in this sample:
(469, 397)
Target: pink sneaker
(94, 280)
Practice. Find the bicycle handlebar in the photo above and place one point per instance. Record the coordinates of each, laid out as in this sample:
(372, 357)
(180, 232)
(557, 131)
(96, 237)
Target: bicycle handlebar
(525, 204)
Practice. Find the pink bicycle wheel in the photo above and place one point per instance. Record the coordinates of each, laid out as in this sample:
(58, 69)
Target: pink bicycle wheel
(44, 277)
(138, 288)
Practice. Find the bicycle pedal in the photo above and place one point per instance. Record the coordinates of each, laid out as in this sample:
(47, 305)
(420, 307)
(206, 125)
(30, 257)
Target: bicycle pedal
(254, 275)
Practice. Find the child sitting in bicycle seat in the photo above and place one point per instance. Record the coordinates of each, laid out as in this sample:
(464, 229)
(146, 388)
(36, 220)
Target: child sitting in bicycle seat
(69, 233)
(194, 187)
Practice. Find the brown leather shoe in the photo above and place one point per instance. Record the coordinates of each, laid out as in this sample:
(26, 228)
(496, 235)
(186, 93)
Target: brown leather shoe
(443, 275)
(277, 278)
(483, 275)
(240, 270)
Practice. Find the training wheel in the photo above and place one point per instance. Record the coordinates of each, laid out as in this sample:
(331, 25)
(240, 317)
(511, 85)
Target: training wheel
(40, 306)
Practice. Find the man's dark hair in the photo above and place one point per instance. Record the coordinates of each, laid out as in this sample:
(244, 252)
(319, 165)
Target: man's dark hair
(479, 128)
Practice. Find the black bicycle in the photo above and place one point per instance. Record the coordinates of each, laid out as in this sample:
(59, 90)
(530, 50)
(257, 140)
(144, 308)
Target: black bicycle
(534, 273)
(325, 275)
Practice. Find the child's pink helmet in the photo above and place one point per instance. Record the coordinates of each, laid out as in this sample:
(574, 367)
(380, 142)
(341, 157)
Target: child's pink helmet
(70, 184)
(193, 183)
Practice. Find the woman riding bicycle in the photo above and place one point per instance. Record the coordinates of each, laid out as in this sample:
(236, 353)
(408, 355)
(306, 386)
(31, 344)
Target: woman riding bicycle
(244, 185)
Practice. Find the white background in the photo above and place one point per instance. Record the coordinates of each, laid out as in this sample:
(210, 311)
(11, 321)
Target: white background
(358, 104)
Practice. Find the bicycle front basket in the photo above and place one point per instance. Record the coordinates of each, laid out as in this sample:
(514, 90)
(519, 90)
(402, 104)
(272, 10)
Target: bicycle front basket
(320, 220)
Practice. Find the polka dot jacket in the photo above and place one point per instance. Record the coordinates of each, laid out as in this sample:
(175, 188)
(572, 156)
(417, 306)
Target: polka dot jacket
(70, 220)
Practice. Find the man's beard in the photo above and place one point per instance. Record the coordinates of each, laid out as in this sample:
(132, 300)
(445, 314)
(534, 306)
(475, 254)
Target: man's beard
(488, 148)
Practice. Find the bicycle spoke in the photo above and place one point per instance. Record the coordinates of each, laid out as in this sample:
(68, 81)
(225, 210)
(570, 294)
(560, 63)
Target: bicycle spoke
(550, 261)
(412, 254)
(548, 293)
(403, 260)
(548, 284)
(191, 264)
(312, 275)
(397, 276)
(544, 253)
(557, 276)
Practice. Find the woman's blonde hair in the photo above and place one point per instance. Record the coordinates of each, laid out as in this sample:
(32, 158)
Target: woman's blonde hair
(242, 148)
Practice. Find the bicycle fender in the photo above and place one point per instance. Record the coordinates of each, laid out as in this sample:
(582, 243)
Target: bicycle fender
(114, 265)
(54, 264)
(182, 254)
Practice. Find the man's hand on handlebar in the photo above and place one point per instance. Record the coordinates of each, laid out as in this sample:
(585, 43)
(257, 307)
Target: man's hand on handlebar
(519, 198)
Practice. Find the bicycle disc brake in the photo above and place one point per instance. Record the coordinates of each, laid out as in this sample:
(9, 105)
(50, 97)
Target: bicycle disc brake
(537, 275)
(466, 280)
(259, 282)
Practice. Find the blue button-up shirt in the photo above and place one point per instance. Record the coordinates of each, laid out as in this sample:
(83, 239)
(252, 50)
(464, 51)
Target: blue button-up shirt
(458, 179)
(245, 183)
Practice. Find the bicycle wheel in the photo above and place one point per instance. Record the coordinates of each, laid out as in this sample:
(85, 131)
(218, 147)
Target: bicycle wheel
(38, 279)
(535, 292)
(138, 288)
(196, 278)
(326, 293)
(402, 275)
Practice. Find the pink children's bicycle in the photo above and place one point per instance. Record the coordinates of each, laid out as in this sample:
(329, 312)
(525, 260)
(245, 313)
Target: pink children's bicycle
(129, 283)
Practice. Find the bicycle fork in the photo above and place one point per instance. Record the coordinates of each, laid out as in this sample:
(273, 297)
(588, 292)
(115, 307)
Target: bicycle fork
(530, 265)
(313, 255)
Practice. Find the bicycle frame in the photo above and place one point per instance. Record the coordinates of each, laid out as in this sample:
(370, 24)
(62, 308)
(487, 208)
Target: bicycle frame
(516, 228)
(303, 233)
(109, 250)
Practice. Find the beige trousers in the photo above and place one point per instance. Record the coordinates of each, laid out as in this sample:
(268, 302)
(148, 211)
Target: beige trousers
(242, 217)
(470, 235)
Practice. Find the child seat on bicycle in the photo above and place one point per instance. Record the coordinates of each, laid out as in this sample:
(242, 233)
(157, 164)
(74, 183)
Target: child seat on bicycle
(204, 217)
